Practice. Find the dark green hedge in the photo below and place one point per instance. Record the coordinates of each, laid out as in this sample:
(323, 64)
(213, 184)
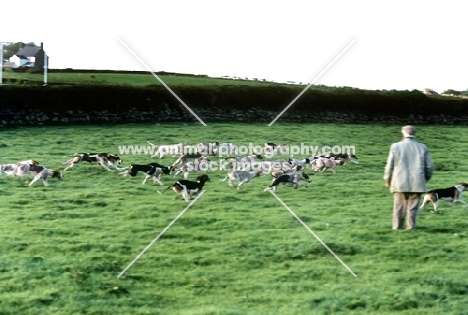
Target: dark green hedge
(121, 98)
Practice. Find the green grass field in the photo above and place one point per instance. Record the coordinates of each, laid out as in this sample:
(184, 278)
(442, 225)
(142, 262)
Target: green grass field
(232, 252)
(116, 78)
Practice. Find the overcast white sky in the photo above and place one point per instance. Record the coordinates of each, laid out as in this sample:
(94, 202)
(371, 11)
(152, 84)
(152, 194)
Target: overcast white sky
(401, 45)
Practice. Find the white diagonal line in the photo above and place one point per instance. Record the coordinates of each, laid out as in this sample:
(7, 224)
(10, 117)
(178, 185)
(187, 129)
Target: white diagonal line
(162, 82)
(160, 234)
(312, 232)
(313, 81)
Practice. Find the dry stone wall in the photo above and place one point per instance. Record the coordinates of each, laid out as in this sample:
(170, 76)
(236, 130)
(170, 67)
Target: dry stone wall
(10, 117)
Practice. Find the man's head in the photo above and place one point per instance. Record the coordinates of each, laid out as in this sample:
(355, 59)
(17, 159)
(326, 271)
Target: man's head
(408, 131)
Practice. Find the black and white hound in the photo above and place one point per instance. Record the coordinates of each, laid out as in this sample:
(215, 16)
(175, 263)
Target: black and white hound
(154, 170)
(188, 188)
(292, 179)
(452, 194)
(104, 159)
(242, 176)
(39, 172)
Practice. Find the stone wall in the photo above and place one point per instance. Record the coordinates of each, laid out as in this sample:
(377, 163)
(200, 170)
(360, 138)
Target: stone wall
(165, 113)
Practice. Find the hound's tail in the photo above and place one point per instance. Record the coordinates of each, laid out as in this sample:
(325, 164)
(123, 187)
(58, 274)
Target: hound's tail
(159, 192)
(223, 180)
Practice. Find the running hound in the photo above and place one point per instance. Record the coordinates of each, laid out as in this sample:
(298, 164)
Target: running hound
(266, 166)
(153, 170)
(184, 158)
(294, 169)
(302, 163)
(187, 188)
(242, 176)
(321, 164)
(452, 194)
(10, 168)
(104, 159)
(271, 149)
(289, 179)
(237, 162)
(200, 165)
(224, 148)
(343, 156)
(172, 149)
(39, 172)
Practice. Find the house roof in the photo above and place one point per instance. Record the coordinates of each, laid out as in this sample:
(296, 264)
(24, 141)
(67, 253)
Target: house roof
(29, 51)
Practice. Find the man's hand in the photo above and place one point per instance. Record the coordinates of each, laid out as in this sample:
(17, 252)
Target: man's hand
(387, 185)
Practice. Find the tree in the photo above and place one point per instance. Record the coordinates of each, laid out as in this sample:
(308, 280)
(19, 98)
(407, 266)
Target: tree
(452, 92)
(9, 49)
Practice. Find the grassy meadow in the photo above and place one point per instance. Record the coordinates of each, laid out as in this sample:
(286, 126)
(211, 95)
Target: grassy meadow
(232, 252)
(94, 77)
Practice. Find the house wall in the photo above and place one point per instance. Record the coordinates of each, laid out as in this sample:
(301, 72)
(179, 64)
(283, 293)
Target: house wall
(39, 59)
(17, 61)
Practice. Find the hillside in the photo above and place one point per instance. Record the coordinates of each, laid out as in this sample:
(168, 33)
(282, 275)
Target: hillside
(124, 96)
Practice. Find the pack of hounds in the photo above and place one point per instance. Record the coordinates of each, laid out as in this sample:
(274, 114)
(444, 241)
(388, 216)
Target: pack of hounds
(240, 169)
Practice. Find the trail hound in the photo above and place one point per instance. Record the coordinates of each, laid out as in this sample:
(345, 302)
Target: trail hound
(154, 170)
(197, 166)
(187, 188)
(276, 173)
(321, 164)
(39, 172)
(242, 176)
(343, 156)
(104, 159)
(452, 194)
(220, 149)
(205, 148)
(172, 149)
(266, 166)
(237, 162)
(271, 149)
(303, 163)
(10, 168)
(184, 158)
(289, 179)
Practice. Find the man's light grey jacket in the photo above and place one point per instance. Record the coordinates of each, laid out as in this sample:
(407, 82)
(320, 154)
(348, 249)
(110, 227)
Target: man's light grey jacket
(409, 166)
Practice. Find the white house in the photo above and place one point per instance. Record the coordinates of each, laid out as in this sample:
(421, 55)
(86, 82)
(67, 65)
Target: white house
(30, 56)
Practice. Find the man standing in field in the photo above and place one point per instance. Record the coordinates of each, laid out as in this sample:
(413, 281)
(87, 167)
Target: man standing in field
(409, 166)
